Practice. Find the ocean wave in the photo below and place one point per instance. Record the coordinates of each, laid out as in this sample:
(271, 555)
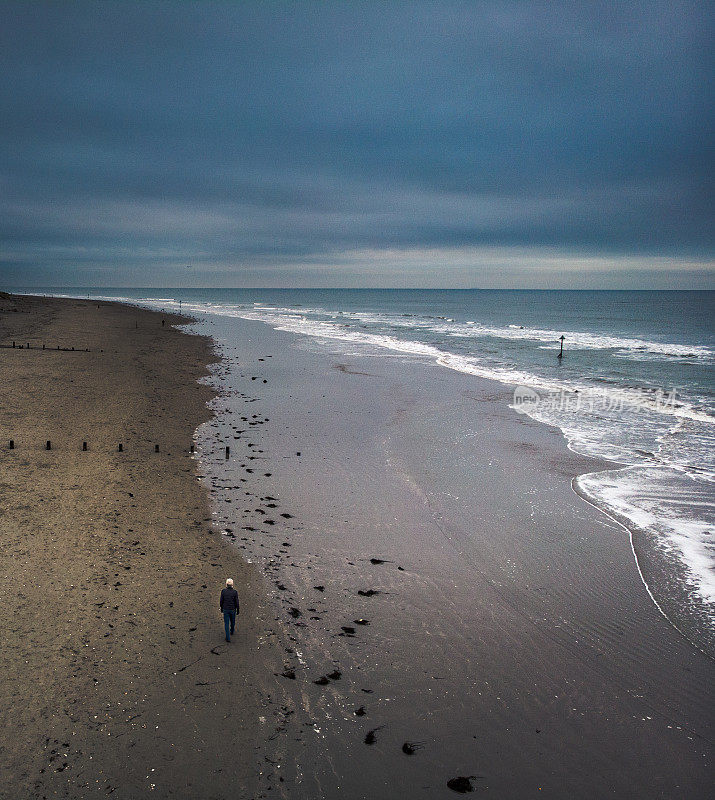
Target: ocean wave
(674, 508)
(579, 340)
(623, 347)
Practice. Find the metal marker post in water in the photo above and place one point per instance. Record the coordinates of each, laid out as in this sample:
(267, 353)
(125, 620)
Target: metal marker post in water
(561, 353)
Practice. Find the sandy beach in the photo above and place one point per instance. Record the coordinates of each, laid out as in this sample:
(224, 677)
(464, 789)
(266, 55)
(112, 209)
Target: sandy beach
(427, 605)
(115, 679)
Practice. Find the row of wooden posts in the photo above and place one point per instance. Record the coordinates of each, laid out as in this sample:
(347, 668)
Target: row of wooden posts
(27, 346)
(120, 448)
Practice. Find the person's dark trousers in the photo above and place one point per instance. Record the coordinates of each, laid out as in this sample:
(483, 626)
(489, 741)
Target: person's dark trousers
(229, 621)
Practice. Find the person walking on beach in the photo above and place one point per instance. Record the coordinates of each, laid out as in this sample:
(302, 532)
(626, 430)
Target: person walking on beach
(229, 606)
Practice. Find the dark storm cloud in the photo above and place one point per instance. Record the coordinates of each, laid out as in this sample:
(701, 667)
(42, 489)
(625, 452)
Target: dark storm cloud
(245, 138)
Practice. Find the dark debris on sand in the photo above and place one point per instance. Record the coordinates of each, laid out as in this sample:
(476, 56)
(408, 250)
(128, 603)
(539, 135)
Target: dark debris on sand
(462, 784)
(370, 737)
(410, 748)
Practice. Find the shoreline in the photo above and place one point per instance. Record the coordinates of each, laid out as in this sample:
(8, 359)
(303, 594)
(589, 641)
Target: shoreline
(679, 601)
(632, 533)
(691, 619)
(115, 676)
(661, 552)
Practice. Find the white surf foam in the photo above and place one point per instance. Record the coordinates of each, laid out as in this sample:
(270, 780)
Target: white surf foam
(623, 347)
(674, 508)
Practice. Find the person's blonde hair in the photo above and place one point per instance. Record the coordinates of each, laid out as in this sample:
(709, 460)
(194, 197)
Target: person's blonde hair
(229, 581)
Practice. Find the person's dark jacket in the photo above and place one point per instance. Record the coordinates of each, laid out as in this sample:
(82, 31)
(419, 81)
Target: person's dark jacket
(229, 599)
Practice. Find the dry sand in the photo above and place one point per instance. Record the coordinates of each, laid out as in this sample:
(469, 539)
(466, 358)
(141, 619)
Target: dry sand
(114, 677)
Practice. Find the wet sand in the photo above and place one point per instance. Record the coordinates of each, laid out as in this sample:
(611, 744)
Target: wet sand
(114, 676)
(454, 609)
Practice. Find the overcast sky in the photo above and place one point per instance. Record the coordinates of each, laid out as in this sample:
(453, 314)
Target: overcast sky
(356, 144)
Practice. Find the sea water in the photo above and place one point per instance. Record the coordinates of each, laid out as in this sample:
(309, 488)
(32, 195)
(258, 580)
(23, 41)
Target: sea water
(634, 384)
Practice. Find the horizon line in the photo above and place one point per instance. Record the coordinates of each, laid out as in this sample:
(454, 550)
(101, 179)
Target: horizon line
(21, 289)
